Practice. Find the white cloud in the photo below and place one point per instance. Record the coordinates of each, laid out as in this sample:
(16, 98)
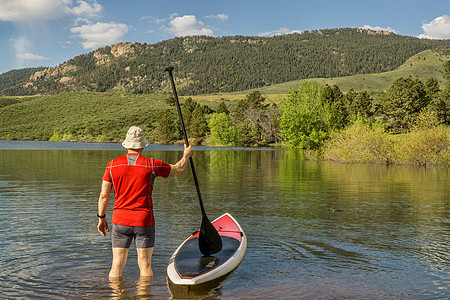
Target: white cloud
(30, 56)
(280, 31)
(221, 17)
(66, 44)
(171, 17)
(145, 18)
(86, 9)
(378, 28)
(439, 28)
(45, 10)
(100, 34)
(21, 46)
(188, 25)
(30, 10)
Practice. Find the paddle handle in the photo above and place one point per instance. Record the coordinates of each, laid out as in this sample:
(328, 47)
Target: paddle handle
(169, 70)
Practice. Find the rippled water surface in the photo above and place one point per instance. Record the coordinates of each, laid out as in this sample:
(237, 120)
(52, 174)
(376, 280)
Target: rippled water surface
(316, 230)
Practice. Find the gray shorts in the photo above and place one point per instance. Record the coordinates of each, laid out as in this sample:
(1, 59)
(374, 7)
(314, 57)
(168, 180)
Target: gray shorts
(122, 236)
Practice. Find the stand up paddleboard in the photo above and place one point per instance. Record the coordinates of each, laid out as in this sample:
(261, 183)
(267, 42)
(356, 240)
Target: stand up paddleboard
(188, 266)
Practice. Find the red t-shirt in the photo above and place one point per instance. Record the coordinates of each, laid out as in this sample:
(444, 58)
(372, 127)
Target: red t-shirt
(132, 176)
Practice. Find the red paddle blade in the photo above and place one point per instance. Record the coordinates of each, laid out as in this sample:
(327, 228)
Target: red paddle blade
(209, 240)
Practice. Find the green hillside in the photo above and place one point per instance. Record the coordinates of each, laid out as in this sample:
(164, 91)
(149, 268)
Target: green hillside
(84, 116)
(424, 65)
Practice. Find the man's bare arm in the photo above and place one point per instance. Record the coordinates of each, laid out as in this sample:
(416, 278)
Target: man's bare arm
(102, 226)
(180, 166)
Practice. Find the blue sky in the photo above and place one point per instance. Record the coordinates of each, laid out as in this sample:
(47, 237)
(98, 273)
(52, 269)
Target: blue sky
(50, 32)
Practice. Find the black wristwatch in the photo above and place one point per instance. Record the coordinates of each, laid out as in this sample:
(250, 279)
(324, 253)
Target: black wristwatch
(101, 217)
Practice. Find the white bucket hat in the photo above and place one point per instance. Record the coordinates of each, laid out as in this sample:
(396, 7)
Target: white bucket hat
(135, 138)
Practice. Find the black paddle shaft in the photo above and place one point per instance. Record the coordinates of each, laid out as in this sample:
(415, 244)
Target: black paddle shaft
(169, 70)
(210, 241)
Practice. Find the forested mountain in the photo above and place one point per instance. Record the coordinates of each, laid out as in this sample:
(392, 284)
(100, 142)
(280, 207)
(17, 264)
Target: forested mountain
(225, 64)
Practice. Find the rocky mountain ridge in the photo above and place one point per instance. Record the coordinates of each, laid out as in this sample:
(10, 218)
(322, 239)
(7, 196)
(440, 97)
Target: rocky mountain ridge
(226, 64)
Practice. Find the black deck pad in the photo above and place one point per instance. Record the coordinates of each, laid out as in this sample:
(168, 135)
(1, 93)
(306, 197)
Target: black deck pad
(190, 262)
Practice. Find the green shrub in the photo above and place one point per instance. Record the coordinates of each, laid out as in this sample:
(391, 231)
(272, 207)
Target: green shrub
(426, 147)
(361, 142)
(56, 137)
(305, 120)
(102, 138)
(67, 137)
(222, 131)
(427, 143)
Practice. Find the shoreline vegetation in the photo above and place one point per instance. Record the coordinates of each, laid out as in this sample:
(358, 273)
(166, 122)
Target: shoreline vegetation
(364, 140)
(427, 144)
(408, 123)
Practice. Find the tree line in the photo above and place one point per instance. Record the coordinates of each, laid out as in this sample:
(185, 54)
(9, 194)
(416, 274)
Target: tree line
(309, 115)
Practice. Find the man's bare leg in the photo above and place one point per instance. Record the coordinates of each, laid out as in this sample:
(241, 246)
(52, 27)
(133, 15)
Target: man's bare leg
(119, 260)
(145, 261)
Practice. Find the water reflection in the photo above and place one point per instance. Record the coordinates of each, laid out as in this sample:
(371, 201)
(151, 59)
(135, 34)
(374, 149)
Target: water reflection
(315, 229)
(210, 290)
(143, 287)
(120, 290)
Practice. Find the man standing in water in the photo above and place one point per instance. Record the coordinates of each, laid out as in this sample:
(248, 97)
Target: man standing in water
(132, 176)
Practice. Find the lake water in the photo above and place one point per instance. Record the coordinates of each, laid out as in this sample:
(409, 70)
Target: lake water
(316, 230)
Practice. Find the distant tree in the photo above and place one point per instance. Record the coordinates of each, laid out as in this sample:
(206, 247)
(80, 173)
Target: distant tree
(198, 124)
(207, 110)
(432, 88)
(339, 112)
(246, 118)
(222, 131)
(442, 103)
(349, 97)
(167, 129)
(254, 100)
(362, 105)
(305, 120)
(403, 102)
(270, 125)
(187, 109)
(439, 101)
(170, 100)
(447, 71)
(254, 121)
(442, 107)
(222, 108)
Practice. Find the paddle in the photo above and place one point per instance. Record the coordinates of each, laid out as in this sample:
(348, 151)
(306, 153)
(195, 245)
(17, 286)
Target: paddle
(209, 240)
